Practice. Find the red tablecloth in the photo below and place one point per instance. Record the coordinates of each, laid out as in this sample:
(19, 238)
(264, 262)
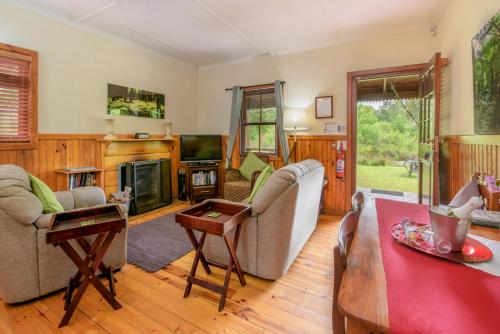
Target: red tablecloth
(430, 295)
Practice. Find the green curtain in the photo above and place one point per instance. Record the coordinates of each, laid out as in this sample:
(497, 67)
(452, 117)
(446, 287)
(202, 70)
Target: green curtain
(235, 120)
(280, 106)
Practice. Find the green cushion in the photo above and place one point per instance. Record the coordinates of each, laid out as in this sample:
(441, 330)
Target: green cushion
(45, 195)
(261, 180)
(251, 164)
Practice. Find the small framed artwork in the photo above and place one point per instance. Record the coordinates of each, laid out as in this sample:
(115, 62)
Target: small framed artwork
(324, 107)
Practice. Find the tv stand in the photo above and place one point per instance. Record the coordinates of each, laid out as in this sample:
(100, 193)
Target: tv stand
(202, 163)
(201, 181)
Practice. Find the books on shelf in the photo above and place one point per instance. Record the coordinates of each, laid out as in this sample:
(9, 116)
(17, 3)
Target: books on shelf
(204, 178)
(81, 180)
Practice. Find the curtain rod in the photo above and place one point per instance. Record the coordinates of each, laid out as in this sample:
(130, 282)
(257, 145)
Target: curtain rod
(256, 86)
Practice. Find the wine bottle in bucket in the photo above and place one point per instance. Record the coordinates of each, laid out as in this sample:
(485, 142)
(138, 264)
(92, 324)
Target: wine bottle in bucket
(465, 211)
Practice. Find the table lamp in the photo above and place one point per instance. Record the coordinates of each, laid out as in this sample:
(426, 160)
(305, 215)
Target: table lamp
(295, 118)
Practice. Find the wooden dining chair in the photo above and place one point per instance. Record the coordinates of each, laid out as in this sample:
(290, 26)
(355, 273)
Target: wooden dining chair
(347, 228)
(358, 200)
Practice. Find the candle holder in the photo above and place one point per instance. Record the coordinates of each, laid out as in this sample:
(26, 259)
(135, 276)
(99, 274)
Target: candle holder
(168, 131)
(109, 128)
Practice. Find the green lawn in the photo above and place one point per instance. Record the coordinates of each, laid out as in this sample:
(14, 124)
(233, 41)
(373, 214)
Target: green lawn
(386, 178)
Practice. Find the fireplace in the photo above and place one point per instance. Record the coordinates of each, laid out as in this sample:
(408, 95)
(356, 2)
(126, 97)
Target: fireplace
(150, 181)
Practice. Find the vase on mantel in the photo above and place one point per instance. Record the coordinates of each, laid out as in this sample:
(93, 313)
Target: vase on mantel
(168, 131)
(109, 128)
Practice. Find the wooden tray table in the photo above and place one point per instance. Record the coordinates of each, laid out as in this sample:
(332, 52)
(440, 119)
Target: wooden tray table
(196, 218)
(104, 222)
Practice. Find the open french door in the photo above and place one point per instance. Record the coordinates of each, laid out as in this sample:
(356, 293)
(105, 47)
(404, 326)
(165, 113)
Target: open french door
(428, 147)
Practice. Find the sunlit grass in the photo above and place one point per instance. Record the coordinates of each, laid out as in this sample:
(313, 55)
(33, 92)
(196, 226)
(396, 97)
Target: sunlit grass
(386, 178)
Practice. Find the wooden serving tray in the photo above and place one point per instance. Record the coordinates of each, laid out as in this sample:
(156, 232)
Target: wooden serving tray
(67, 225)
(196, 216)
(473, 251)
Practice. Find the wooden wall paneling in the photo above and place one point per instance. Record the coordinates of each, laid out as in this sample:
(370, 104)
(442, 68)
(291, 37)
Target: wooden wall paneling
(465, 155)
(319, 147)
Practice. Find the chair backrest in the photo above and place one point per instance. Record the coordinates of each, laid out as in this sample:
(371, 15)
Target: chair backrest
(358, 200)
(491, 200)
(347, 228)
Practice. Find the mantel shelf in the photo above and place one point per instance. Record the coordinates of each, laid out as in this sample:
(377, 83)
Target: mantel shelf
(134, 140)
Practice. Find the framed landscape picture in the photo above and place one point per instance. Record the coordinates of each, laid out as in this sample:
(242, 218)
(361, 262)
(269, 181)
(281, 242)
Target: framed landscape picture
(486, 76)
(135, 102)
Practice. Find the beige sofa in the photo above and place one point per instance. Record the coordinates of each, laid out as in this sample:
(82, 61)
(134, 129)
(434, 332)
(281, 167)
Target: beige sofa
(284, 215)
(30, 268)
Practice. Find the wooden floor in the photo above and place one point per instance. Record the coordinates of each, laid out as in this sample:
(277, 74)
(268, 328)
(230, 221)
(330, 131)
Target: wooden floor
(299, 302)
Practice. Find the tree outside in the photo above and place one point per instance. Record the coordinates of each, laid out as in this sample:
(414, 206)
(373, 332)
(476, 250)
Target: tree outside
(386, 138)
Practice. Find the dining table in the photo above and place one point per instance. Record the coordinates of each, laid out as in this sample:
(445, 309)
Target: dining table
(363, 296)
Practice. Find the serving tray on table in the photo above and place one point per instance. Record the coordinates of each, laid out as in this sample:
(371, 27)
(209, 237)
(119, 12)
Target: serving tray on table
(473, 251)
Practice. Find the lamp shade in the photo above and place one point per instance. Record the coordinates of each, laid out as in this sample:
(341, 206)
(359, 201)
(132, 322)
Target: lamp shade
(295, 117)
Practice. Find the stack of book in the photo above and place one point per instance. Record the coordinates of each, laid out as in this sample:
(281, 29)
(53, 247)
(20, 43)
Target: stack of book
(81, 180)
(208, 178)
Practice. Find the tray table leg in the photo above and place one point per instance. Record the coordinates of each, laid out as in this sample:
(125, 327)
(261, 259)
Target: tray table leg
(88, 273)
(194, 242)
(233, 263)
(197, 258)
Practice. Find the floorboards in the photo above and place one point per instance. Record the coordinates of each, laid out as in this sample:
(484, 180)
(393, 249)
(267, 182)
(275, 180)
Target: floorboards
(299, 302)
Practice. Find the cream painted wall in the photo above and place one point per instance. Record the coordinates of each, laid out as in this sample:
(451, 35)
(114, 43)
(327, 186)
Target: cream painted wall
(461, 21)
(75, 66)
(307, 74)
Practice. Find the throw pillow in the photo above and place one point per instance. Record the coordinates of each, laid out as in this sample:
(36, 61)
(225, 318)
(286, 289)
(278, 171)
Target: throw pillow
(45, 195)
(261, 180)
(251, 164)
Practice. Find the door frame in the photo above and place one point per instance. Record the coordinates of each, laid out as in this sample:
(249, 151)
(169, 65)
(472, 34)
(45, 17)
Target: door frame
(352, 78)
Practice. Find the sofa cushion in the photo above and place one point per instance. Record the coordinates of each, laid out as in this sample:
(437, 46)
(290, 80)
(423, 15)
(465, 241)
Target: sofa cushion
(251, 164)
(280, 180)
(45, 195)
(66, 199)
(16, 198)
(261, 180)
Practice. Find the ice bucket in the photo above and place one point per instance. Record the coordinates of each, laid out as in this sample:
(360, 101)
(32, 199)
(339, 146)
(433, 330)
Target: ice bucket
(446, 228)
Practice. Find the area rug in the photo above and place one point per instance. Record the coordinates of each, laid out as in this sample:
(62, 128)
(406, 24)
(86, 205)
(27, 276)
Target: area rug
(154, 244)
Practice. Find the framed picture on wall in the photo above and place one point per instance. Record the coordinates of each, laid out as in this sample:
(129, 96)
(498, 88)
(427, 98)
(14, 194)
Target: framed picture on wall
(324, 106)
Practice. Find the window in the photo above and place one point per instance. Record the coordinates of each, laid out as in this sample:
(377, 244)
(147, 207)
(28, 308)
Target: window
(258, 122)
(18, 97)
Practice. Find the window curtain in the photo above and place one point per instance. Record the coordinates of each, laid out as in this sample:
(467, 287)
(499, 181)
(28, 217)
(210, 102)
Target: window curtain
(278, 91)
(235, 120)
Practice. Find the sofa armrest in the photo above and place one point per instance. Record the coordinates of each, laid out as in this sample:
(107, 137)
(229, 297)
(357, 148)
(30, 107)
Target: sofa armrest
(88, 196)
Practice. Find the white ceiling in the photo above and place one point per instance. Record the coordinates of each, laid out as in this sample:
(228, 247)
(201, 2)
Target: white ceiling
(204, 32)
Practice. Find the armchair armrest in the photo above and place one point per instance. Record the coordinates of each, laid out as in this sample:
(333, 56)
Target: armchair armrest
(88, 196)
(232, 175)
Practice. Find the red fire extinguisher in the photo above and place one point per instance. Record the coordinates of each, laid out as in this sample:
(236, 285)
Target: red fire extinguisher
(340, 165)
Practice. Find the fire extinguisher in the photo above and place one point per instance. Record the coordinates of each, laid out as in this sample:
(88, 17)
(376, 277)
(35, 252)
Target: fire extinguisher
(340, 165)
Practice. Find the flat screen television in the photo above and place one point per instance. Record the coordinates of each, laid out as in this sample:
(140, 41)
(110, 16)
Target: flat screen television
(201, 148)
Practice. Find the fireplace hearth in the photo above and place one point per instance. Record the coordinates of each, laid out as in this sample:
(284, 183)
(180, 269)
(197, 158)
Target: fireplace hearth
(150, 181)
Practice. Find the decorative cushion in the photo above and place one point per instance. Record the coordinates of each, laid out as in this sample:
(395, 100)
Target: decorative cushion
(467, 192)
(261, 180)
(251, 164)
(45, 195)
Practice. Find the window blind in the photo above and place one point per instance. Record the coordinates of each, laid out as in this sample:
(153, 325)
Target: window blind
(15, 99)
